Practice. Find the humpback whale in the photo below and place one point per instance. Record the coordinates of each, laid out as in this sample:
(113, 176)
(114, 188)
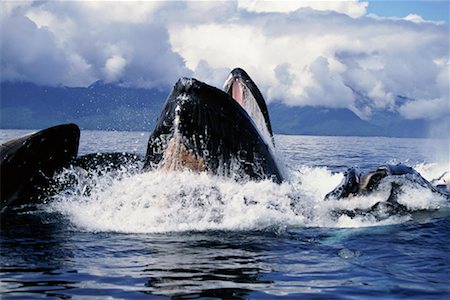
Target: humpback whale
(356, 183)
(28, 163)
(204, 128)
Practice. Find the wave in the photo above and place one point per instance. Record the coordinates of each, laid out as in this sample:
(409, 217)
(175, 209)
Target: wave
(167, 201)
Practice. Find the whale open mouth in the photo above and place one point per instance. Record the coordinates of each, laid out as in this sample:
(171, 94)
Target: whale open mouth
(245, 92)
(237, 91)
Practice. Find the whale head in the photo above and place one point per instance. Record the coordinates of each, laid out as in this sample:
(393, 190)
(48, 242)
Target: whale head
(202, 128)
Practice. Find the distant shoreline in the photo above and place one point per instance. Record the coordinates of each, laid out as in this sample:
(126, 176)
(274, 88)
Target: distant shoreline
(275, 133)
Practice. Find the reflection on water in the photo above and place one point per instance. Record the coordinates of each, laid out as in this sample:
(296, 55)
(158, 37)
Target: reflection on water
(36, 256)
(208, 264)
(52, 260)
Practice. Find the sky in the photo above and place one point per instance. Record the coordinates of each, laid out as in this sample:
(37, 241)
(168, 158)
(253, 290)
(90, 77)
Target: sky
(433, 10)
(350, 54)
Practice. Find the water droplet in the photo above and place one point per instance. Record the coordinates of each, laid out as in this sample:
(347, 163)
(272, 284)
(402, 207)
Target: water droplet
(348, 254)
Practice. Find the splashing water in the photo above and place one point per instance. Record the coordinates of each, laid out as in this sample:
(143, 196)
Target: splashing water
(166, 201)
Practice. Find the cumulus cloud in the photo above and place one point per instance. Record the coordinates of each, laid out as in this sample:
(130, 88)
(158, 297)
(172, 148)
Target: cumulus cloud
(310, 58)
(114, 67)
(324, 53)
(77, 43)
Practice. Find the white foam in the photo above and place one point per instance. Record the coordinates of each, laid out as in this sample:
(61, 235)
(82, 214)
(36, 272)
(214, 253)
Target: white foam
(432, 171)
(160, 201)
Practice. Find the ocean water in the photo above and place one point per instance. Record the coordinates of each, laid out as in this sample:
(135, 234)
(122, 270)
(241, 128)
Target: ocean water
(183, 235)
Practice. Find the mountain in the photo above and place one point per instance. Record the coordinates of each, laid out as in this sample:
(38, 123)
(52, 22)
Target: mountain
(393, 125)
(309, 120)
(111, 107)
(99, 106)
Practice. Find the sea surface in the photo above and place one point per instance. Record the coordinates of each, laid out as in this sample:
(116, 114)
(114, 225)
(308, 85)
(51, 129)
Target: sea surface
(183, 235)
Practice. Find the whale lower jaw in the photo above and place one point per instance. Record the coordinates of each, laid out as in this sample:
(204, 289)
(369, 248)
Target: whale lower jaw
(178, 157)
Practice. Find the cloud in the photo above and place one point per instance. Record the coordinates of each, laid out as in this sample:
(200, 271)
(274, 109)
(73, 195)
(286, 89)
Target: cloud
(310, 58)
(327, 88)
(30, 53)
(351, 8)
(425, 108)
(114, 67)
(415, 18)
(77, 43)
(323, 53)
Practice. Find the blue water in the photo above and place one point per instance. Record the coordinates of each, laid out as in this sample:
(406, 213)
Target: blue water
(146, 236)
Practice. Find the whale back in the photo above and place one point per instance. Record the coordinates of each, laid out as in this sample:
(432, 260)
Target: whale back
(27, 163)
